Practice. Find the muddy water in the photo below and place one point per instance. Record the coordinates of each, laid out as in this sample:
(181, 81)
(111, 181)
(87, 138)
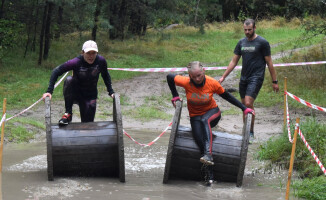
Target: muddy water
(25, 177)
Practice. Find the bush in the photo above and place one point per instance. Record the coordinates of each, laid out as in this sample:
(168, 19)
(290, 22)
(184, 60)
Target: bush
(10, 35)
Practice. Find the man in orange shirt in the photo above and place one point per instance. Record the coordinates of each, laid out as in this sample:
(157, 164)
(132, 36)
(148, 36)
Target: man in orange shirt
(203, 110)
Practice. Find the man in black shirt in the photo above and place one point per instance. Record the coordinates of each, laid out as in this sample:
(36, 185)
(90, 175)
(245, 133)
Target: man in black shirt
(256, 53)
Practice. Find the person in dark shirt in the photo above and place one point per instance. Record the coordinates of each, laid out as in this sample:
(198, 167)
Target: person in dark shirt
(256, 53)
(81, 88)
(203, 110)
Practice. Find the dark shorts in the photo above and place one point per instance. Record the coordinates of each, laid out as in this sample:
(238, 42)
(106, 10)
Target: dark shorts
(250, 87)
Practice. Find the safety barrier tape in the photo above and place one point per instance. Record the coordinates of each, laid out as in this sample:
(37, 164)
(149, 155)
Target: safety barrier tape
(288, 119)
(312, 152)
(310, 105)
(182, 69)
(3, 119)
(152, 142)
(302, 137)
(36, 101)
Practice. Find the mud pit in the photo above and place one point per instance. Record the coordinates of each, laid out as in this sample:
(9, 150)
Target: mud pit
(25, 177)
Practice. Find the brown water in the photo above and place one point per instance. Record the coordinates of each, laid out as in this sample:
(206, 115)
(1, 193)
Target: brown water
(25, 177)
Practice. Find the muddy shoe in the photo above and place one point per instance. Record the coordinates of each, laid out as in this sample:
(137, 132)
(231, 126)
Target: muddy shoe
(66, 119)
(207, 159)
(251, 138)
(209, 183)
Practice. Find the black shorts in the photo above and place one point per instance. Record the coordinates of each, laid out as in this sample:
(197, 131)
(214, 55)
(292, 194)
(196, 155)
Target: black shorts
(250, 87)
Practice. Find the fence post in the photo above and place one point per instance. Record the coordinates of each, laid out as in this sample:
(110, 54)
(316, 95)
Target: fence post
(285, 89)
(2, 132)
(292, 159)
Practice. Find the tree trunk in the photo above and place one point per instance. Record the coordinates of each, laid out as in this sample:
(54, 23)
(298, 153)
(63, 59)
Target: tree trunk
(196, 12)
(59, 22)
(33, 46)
(119, 19)
(1, 9)
(47, 31)
(96, 14)
(114, 19)
(42, 34)
(29, 27)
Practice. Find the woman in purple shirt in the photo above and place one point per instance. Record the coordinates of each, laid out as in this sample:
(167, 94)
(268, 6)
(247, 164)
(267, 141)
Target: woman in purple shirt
(81, 88)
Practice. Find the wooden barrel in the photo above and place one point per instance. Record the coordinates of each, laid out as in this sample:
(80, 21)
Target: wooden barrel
(229, 153)
(86, 149)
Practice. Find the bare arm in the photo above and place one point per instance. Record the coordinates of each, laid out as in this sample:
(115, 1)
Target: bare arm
(271, 69)
(231, 66)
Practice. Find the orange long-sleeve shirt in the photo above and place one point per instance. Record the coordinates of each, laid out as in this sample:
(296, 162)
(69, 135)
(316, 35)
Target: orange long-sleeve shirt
(199, 99)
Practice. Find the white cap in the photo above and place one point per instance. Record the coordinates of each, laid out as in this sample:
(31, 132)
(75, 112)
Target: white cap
(90, 45)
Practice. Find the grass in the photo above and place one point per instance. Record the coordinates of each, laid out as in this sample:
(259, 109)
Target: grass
(306, 82)
(312, 189)
(147, 113)
(232, 111)
(23, 82)
(20, 129)
(278, 151)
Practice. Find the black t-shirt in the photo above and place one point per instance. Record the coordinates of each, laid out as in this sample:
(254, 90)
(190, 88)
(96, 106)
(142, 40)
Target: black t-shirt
(253, 56)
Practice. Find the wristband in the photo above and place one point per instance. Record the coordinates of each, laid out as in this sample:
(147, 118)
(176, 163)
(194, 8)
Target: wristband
(275, 82)
(174, 99)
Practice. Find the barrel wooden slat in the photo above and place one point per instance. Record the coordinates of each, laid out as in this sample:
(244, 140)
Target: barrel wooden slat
(229, 154)
(88, 126)
(218, 147)
(244, 149)
(175, 126)
(86, 149)
(84, 158)
(48, 138)
(83, 149)
(223, 158)
(118, 120)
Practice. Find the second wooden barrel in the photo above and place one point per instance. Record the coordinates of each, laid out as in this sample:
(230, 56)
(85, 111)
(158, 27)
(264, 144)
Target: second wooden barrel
(229, 154)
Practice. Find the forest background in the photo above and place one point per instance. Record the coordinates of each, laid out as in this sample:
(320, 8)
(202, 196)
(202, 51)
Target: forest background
(38, 35)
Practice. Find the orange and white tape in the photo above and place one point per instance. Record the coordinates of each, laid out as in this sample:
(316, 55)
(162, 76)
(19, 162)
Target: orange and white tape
(306, 103)
(3, 119)
(182, 69)
(302, 137)
(16, 115)
(312, 152)
(152, 142)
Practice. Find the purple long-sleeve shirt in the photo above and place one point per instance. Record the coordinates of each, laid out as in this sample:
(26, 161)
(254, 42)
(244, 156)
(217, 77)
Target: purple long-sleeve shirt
(87, 75)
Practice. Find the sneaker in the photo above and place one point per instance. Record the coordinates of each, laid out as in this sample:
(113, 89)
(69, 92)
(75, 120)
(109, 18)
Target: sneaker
(66, 118)
(251, 138)
(207, 159)
(209, 183)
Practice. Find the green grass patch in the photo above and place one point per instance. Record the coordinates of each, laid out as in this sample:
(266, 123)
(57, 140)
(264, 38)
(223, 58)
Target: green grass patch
(23, 82)
(312, 189)
(22, 129)
(146, 113)
(278, 150)
(232, 111)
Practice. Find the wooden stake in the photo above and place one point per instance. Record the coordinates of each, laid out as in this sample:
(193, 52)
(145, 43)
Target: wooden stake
(292, 160)
(0, 185)
(285, 89)
(2, 132)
